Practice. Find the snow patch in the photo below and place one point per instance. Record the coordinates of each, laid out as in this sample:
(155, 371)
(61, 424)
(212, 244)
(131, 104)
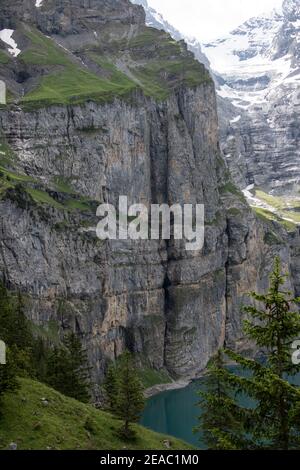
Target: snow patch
(247, 192)
(255, 201)
(236, 119)
(6, 36)
(279, 71)
(38, 3)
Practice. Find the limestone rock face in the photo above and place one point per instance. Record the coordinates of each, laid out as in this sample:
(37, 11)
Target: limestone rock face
(173, 308)
(71, 17)
(149, 296)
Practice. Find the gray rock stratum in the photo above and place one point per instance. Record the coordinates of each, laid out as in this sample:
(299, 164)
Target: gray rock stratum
(143, 125)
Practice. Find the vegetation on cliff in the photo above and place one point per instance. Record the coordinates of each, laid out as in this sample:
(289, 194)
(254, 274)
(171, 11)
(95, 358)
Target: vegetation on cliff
(112, 69)
(28, 191)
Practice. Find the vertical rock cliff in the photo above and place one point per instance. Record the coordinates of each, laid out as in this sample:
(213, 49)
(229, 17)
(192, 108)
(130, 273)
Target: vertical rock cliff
(99, 106)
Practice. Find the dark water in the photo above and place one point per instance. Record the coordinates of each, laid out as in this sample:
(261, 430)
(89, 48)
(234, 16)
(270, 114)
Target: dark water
(175, 412)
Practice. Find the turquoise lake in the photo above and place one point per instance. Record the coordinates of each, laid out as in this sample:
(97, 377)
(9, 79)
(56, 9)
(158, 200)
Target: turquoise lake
(175, 412)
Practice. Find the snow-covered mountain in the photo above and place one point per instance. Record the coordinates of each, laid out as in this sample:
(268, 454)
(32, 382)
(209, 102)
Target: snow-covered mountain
(258, 57)
(259, 63)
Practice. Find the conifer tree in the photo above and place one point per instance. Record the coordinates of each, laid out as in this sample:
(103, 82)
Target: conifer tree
(8, 380)
(21, 334)
(111, 387)
(68, 371)
(274, 420)
(56, 369)
(14, 326)
(6, 312)
(15, 331)
(221, 419)
(40, 356)
(129, 400)
(274, 328)
(8, 371)
(78, 371)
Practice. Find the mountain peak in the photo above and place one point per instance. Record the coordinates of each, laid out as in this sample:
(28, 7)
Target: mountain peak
(144, 3)
(291, 9)
(156, 20)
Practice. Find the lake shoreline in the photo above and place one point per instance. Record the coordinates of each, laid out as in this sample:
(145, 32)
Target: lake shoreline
(175, 385)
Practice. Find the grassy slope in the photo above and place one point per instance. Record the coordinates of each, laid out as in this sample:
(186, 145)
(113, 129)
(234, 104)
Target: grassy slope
(63, 424)
(285, 207)
(4, 58)
(229, 187)
(71, 83)
(9, 178)
(284, 210)
(150, 377)
(167, 66)
(271, 217)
